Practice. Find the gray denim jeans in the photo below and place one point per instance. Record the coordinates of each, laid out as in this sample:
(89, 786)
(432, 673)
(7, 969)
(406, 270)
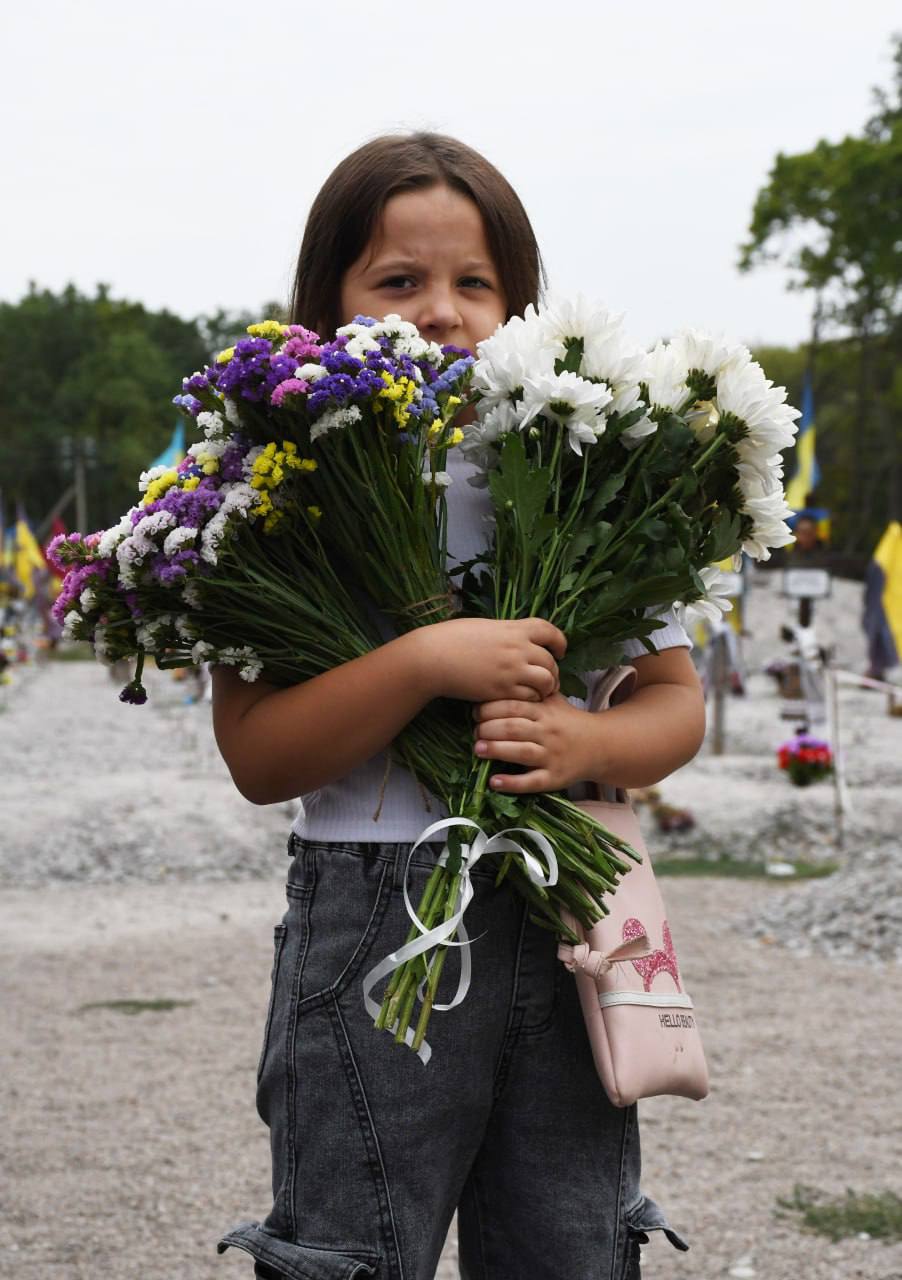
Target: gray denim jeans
(372, 1152)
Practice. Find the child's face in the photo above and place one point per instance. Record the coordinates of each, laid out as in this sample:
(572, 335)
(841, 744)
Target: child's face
(430, 264)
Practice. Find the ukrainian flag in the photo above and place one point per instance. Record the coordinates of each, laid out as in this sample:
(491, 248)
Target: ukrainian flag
(22, 554)
(174, 451)
(808, 473)
(883, 601)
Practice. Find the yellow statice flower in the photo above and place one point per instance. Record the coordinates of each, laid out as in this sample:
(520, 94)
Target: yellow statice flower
(161, 485)
(225, 356)
(190, 484)
(453, 401)
(315, 514)
(267, 329)
(306, 464)
(456, 436)
(401, 393)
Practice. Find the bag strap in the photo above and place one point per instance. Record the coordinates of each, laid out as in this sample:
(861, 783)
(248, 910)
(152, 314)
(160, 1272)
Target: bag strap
(614, 686)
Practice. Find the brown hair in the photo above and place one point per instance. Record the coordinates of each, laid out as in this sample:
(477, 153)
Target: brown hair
(347, 209)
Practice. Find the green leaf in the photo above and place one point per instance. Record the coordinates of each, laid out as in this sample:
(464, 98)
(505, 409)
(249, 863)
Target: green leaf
(527, 488)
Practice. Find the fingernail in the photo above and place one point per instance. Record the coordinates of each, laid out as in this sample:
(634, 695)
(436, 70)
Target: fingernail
(480, 748)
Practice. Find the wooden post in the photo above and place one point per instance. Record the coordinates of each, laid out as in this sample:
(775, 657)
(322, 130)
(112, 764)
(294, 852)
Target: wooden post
(839, 777)
(720, 677)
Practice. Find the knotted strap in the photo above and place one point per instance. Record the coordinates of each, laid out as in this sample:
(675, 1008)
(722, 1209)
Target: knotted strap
(597, 963)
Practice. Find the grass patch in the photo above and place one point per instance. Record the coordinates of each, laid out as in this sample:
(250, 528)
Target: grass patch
(878, 1214)
(136, 1006)
(76, 651)
(738, 868)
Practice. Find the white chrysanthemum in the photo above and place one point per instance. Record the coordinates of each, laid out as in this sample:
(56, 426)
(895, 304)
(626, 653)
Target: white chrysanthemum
(441, 478)
(514, 351)
(112, 537)
(609, 355)
(230, 409)
(335, 420)
(633, 435)
(665, 374)
(570, 400)
(310, 372)
(709, 353)
(744, 391)
(480, 443)
(199, 652)
(177, 539)
(766, 503)
(712, 605)
(211, 424)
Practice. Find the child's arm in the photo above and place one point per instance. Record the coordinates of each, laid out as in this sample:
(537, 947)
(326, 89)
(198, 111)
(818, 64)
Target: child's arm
(656, 730)
(281, 743)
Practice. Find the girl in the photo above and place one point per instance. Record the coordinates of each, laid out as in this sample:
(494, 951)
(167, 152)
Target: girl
(372, 1152)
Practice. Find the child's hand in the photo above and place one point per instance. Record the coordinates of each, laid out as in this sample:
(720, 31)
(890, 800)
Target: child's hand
(484, 659)
(550, 737)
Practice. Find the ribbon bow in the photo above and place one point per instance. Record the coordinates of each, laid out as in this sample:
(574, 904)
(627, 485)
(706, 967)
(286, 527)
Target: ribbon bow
(597, 963)
(443, 932)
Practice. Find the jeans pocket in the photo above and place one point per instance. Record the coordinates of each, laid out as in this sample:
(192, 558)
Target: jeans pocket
(643, 1217)
(337, 899)
(278, 947)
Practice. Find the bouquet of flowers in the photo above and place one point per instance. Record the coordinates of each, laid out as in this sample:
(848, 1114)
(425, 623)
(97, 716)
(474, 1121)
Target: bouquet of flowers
(805, 759)
(617, 477)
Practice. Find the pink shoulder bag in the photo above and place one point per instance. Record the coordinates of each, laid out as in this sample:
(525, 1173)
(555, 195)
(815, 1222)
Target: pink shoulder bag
(641, 1022)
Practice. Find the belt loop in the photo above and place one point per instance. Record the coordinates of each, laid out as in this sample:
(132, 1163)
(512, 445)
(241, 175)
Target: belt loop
(402, 849)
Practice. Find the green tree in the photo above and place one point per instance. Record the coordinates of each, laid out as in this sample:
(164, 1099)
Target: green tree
(833, 216)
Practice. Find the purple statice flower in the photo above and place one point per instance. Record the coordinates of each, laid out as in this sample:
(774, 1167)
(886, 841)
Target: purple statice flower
(134, 694)
(336, 360)
(245, 375)
(168, 570)
(74, 583)
(61, 550)
(445, 381)
(369, 321)
(189, 403)
(200, 382)
(290, 387)
(131, 601)
(449, 349)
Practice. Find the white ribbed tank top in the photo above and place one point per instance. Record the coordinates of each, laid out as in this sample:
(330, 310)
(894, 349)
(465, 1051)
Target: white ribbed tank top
(345, 809)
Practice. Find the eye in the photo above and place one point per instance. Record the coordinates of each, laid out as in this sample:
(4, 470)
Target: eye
(474, 282)
(397, 282)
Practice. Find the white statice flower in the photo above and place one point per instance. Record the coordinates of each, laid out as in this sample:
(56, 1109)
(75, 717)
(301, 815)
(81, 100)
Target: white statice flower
(239, 498)
(191, 594)
(243, 657)
(111, 538)
(178, 539)
(200, 651)
(335, 420)
(311, 372)
(147, 477)
(711, 606)
(148, 633)
(570, 400)
(130, 553)
(71, 623)
(441, 478)
(103, 650)
(211, 424)
(206, 453)
(230, 409)
(184, 627)
(87, 600)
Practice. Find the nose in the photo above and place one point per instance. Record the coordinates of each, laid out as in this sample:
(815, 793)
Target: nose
(439, 317)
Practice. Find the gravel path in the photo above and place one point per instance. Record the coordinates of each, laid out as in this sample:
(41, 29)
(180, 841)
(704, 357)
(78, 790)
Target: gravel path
(137, 871)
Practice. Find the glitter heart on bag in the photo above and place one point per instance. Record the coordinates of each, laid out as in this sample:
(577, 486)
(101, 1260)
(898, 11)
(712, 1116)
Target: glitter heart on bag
(641, 1021)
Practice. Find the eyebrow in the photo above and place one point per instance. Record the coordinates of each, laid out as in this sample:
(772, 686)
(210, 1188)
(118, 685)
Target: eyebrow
(412, 264)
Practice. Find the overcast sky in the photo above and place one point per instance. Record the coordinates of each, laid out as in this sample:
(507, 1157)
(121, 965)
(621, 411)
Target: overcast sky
(172, 149)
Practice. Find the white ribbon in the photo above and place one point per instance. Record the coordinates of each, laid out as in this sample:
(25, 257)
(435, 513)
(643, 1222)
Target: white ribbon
(442, 933)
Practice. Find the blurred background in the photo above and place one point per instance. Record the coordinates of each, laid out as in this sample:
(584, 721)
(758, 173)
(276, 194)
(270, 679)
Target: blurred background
(735, 169)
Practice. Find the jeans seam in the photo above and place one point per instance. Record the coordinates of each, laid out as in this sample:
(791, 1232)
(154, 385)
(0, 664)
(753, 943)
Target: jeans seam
(618, 1226)
(474, 1182)
(514, 1022)
(291, 1071)
(368, 1130)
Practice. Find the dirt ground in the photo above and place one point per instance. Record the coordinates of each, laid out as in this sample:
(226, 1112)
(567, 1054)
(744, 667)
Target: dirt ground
(129, 1143)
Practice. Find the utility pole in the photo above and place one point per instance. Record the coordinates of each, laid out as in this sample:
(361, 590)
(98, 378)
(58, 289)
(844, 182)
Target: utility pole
(81, 488)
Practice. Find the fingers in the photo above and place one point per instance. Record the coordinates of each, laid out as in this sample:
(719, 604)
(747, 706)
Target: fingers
(511, 728)
(545, 682)
(512, 752)
(547, 635)
(525, 693)
(506, 708)
(520, 783)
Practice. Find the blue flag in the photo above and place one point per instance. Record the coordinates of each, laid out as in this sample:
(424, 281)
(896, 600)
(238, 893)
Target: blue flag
(174, 451)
